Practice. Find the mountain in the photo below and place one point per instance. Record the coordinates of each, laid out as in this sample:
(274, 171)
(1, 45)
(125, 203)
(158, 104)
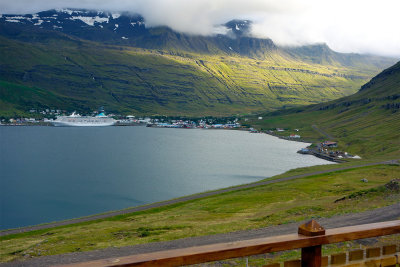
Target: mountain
(80, 60)
(365, 123)
(130, 30)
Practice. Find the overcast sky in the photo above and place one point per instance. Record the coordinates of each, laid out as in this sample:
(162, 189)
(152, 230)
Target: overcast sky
(361, 26)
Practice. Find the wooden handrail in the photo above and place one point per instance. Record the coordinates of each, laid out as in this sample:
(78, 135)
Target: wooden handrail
(206, 253)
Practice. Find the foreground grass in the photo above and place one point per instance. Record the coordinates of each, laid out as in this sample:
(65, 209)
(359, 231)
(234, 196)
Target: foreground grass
(351, 163)
(273, 204)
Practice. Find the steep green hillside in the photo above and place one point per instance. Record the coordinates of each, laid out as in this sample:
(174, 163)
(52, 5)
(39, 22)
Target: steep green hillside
(92, 58)
(366, 123)
(86, 75)
(15, 98)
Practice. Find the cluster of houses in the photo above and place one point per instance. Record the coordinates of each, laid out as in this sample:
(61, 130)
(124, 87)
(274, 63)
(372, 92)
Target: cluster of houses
(23, 121)
(204, 124)
(47, 111)
(326, 145)
(130, 119)
(323, 150)
(165, 122)
(290, 136)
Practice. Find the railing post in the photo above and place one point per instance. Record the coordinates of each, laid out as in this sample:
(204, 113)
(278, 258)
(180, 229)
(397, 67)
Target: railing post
(311, 256)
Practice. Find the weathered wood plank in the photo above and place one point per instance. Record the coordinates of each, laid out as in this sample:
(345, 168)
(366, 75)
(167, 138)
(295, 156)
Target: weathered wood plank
(311, 256)
(292, 263)
(388, 250)
(373, 252)
(338, 259)
(356, 255)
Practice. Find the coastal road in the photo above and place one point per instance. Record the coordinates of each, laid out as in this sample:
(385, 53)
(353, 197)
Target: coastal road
(315, 127)
(388, 213)
(182, 199)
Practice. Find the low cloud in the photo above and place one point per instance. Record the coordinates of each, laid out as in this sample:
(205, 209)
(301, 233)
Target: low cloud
(361, 26)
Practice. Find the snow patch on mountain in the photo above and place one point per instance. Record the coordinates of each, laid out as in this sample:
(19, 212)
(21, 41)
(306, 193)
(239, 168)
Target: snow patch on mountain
(38, 23)
(68, 11)
(136, 23)
(90, 20)
(115, 15)
(14, 18)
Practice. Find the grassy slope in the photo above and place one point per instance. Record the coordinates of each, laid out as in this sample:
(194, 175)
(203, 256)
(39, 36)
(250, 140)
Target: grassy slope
(88, 75)
(25, 97)
(273, 204)
(366, 123)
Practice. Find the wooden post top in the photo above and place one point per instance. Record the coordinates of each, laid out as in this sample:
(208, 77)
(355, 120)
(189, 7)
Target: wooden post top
(311, 228)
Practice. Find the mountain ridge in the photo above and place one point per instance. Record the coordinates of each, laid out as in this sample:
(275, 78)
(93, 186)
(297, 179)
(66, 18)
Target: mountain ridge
(159, 71)
(118, 27)
(130, 30)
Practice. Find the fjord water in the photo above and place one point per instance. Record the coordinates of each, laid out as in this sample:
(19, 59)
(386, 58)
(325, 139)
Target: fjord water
(51, 173)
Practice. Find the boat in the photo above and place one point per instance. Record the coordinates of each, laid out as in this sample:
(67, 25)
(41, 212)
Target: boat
(77, 120)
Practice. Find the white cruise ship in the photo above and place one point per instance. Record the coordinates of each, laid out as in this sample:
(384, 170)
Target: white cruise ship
(77, 120)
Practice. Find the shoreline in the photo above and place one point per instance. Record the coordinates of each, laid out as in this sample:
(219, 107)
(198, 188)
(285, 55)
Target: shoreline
(313, 153)
(116, 212)
(109, 214)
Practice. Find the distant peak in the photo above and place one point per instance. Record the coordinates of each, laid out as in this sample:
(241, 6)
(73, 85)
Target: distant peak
(239, 27)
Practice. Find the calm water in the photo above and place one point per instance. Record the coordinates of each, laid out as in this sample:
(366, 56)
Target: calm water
(51, 173)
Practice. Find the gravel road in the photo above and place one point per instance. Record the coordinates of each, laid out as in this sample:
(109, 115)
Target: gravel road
(382, 214)
(315, 127)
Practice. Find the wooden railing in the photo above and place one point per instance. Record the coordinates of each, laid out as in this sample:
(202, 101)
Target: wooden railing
(310, 237)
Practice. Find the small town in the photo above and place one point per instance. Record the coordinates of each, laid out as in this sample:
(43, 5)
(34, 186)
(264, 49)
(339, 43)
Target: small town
(48, 117)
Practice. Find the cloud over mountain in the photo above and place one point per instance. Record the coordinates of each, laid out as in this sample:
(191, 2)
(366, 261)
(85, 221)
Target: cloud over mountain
(364, 26)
